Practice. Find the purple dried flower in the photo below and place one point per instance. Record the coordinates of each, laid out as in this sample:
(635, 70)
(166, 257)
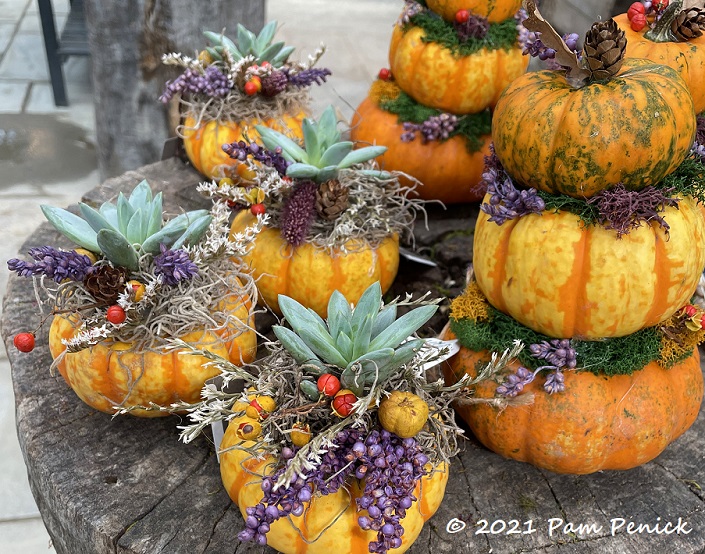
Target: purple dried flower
(623, 210)
(476, 27)
(298, 213)
(515, 382)
(558, 353)
(307, 77)
(55, 264)
(174, 265)
(240, 150)
(213, 83)
(410, 9)
(555, 382)
(436, 127)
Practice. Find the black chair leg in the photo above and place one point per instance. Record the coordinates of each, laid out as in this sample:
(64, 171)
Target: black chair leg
(51, 44)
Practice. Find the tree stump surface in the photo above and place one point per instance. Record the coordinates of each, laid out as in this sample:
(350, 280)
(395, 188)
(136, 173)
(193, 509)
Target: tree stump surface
(127, 485)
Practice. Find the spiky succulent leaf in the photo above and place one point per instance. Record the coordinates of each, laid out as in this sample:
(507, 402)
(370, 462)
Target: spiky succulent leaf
(214, 54)
(95, 219)
(362, 335)
(366, 368)
(109, 212)
(134, 233)
(117, 249)
(367, 306)
(344, 344)
(295, 346)
(405, 353)
(193, 232)
(291, 151)
(265, 36)
(125, 211)
(384, 319)
(270, 53)
(281, 57)
(403, 327)
(335, 153)
(375, 173)
(141, 195)
(328, 133)
(339, 314)
(246, 40)
(72, 226)
(303, 171)
(155, 216)
(361, 155)
(326, 174)
(313, 149)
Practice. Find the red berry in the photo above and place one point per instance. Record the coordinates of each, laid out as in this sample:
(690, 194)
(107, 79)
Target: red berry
(258, 209)
(635, 8)
(115, 315)
(24, 342)
(660, 4)
(343, 403)
(461, 16)
(251, 88)
(638, 22)
(328, 384)
(385, 74)
(690, 310)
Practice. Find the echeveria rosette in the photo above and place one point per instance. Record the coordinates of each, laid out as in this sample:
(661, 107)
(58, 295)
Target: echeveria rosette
(55, 264)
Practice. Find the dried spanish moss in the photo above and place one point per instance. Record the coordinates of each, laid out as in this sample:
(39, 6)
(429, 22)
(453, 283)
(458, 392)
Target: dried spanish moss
(623, 210)
(298, 213)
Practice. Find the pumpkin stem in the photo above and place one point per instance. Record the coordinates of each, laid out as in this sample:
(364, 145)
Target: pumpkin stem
(661, 32)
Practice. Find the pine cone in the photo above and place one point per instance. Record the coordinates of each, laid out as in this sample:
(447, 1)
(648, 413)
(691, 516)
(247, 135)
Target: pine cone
(331, 199)
(274, 83)
(604, 50)
(689, 24)
(106, 283)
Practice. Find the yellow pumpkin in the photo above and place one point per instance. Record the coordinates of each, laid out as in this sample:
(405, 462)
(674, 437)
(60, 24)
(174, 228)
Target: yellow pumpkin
(597, 423)
(435, 77)
(329, 523)
(113, 374)
(204, 143)
(309, 274)
(688, 58)
(494, 10)
(563, 279)
(448, 171)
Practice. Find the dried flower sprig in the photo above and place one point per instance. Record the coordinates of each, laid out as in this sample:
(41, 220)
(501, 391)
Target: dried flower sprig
(558, 353)
(273, 158)
(53, 263)
(435, 128)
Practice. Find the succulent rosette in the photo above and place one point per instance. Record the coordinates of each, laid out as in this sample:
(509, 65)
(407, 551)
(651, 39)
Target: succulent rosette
(234, 85)
(340, 438)
(136, 281)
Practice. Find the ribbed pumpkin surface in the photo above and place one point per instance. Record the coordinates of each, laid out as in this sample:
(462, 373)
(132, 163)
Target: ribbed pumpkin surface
(109, 374)
(329, 524)
(688, 58)
(204, 144)
(597, 423)
(563, 279)
(634, 129)
(448, 171)
(494, 10)
(435, 77)
(310, 274)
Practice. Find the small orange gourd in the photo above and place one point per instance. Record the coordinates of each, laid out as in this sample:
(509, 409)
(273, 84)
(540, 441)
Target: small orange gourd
(403, 413)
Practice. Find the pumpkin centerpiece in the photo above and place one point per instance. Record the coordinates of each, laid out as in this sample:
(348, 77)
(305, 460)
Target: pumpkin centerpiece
(346, 457)
(333, 220)
(594, 278)
(233, 86)
(432, 109)
(135, 283)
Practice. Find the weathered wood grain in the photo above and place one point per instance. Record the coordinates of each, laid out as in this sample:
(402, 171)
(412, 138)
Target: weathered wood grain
(126, 485)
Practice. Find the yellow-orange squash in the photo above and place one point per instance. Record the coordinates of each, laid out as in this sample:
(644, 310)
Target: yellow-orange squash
(329, 523)
(113, 374)
(204, 143)
(688, 58)
(435, 77)
(597, 423)
(448, 171)
(564, 279)
(494, 10)
(309, 274)
(635, 129)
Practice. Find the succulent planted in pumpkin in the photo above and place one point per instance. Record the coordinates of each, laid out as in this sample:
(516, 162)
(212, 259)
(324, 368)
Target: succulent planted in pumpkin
(259, 46)
(132, 227)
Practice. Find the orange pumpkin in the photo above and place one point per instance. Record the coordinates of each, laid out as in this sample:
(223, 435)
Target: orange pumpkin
(563, 279)
(449, 172)
(635, 129)
(309, 274)
(494, 10)
(687, 58)
(435, 77)
(113, 374)
(204, 143)
(596, 423)
(329, 523)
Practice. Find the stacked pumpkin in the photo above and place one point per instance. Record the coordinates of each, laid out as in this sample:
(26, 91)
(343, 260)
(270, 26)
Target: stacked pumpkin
(588, 247)
(449, 60)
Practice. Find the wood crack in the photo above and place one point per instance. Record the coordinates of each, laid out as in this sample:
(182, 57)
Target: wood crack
(215, 524)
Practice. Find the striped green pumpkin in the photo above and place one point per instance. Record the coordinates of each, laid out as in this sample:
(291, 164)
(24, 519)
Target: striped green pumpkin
(635, 129)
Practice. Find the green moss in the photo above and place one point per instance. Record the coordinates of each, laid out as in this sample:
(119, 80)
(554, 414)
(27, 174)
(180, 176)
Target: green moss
(500, 35)
(616, 356)
(471, 126)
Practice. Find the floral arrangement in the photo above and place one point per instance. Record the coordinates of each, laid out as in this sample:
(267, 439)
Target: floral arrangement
(244, 79)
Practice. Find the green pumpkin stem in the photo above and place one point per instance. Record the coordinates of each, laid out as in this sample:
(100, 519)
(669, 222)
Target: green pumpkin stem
(661, 32)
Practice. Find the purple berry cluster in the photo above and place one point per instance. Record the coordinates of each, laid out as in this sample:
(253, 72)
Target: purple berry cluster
(437, 127)
(506, 201)
(55, 264)
(558, 353)
(240, 150)
(515, 382)
(536, 48)
(391, 467)
(174, 265)
(213, 83)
